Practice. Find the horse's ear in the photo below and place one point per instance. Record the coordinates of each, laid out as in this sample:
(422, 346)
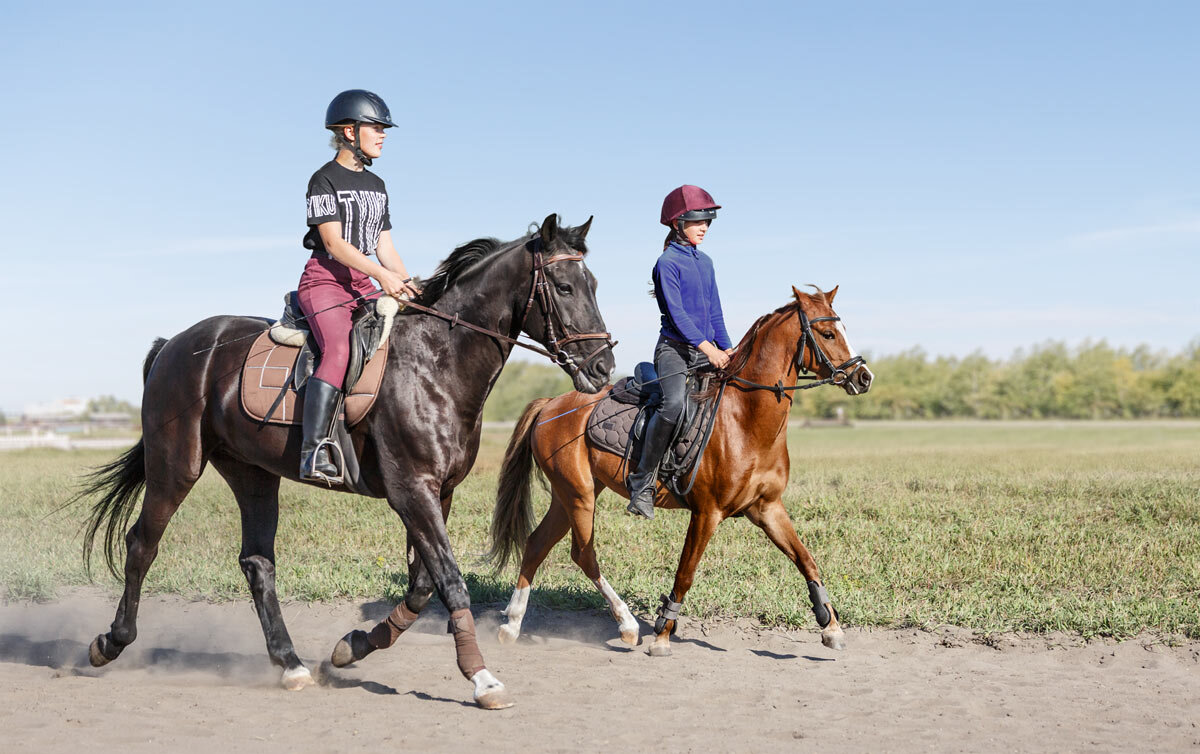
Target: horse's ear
(829, 296)
(549, 229)
(796, 292)
(583, 229)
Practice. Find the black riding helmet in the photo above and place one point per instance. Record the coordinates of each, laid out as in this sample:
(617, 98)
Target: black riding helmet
(355, 106)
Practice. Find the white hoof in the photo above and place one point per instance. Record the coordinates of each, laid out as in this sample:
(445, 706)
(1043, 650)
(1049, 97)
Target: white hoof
(296, 679)
(631, 636)
(508, 633)
(489, 692)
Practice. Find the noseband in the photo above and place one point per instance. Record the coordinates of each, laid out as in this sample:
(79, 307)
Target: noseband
(838, 375)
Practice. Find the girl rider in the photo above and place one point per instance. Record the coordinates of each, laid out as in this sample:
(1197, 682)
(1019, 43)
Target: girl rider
(348, 222)
(693, 327)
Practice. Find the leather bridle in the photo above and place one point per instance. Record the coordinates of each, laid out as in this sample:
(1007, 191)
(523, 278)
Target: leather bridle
(556, 336)
(838, 375)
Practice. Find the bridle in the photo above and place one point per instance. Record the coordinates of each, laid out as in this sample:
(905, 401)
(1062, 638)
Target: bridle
(539, 290)
(838, 375)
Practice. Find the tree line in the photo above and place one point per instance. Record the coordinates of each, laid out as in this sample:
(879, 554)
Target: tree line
(1048, 381)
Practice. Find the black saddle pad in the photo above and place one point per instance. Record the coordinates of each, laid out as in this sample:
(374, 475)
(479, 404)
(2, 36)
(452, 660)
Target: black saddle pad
(610, 426)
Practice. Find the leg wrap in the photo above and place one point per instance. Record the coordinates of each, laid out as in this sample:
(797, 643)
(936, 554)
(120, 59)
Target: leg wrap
(385, 634)
(818, 597)
(462, 625)
(669, 610)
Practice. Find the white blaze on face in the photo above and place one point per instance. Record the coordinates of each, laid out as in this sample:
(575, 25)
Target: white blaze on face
(846, 340)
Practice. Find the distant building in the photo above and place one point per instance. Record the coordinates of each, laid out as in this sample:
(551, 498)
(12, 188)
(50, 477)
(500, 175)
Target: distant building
(63, 409)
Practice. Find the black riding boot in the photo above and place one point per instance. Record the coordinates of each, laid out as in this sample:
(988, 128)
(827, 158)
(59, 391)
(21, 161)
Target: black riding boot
(320, 400)
(641, 483)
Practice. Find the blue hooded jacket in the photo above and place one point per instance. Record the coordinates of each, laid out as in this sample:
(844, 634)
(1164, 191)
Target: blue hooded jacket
(686, 290)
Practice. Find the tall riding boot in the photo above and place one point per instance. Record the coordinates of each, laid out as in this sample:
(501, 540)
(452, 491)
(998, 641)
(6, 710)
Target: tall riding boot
(641, 483)
(320, 399)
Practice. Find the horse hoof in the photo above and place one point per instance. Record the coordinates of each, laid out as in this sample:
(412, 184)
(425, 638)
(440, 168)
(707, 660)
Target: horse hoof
(834, 639)
(352, 648)
(295, 679)
(660, 650)
(631, 637)
(508, 634)
(95, 655)
(495, 700)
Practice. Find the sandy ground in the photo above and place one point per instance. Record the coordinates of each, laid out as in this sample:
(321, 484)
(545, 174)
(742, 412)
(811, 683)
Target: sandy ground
(198, 679)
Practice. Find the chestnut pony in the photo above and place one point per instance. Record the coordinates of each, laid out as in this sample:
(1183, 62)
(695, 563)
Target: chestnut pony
(743, 471)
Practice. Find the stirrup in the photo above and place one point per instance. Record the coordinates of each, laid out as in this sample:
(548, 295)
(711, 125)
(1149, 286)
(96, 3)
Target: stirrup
(340, 463)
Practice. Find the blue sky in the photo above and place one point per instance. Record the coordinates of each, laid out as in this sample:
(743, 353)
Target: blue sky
(973, 175)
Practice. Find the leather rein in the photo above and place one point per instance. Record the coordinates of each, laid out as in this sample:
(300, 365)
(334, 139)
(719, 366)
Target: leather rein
(837, 374)
(539, 291)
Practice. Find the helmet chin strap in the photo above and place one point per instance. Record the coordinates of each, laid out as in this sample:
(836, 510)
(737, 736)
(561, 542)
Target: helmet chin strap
(356, 147)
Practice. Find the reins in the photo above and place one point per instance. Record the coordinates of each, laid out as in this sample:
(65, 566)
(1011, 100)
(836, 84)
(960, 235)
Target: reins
(538, 290)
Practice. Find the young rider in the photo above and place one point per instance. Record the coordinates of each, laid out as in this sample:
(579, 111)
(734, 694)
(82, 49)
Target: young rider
(693, 327)
(348, 222)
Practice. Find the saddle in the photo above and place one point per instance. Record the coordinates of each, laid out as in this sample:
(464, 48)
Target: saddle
(618, 424)
(281, 360)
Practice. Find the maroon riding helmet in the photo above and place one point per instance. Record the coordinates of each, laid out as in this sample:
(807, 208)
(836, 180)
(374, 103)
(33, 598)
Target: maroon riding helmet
(688, 203)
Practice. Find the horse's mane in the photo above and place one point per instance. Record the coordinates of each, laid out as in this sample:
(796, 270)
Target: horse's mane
(465, 257)
(452, 267)
(741, 356)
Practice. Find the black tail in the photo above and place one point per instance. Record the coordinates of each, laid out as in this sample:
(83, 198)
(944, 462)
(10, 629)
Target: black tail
(121, 482)
(512, 521)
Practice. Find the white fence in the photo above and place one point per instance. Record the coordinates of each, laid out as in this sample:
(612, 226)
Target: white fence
(38, 439)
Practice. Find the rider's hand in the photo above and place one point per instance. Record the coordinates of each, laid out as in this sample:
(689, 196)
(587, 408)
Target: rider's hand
(396, 286)
(716, 356)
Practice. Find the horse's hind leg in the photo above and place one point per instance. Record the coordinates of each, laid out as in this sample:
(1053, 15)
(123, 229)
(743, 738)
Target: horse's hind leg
(357, 644)
(162, 499)
(773, 519)
(582, 507)
(257, 493)
(553, 527)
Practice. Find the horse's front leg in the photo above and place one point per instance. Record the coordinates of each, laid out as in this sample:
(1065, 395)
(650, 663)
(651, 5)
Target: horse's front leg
(421, 511)
(700, 530)
(772, 518)
(357, 644)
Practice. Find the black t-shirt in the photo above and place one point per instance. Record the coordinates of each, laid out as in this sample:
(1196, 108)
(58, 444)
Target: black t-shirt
(358, 200)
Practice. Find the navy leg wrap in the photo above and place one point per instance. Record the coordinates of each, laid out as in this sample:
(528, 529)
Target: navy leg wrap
(669, 610)
(818, 597)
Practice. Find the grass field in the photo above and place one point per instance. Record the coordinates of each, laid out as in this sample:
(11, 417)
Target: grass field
(1091, 528)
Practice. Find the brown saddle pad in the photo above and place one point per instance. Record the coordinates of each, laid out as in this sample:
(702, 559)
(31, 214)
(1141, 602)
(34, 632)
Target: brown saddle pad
(268, 372)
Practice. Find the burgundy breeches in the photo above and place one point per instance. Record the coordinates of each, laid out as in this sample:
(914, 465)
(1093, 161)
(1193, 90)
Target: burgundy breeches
(328, 288)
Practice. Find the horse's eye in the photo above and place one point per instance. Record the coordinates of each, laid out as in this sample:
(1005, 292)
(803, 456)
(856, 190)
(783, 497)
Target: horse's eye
(828, 335)
(564, 289)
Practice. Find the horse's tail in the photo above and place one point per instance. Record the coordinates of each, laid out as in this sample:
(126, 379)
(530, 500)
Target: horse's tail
(121, 483)
(512, 521)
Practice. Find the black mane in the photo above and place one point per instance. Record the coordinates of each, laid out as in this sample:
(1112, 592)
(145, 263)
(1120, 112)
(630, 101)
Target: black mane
(469, 254)
(453, 266)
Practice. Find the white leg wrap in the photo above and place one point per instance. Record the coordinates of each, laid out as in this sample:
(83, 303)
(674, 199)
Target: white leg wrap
(485, 683)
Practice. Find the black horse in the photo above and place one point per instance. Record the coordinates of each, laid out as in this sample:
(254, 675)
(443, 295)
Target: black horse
(414, 448)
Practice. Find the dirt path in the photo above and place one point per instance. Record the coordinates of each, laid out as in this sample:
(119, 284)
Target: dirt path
(198, 679)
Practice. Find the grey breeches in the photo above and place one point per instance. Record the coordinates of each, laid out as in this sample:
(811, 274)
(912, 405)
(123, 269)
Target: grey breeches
(671, 359)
